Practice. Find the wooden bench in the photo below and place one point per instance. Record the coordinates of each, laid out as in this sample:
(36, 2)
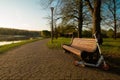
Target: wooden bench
(84, 47)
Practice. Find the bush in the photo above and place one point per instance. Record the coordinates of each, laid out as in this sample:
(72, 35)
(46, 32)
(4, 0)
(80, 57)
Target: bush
(45, 33)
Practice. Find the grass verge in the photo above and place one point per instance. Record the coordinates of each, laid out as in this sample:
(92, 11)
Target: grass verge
(58, 42)
(111, 47)
(8, 47)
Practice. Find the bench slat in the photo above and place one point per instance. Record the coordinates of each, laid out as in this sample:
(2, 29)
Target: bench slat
(84, 44)
(73, 50)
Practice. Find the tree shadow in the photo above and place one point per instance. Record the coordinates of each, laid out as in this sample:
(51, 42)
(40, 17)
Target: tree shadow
(112, 60)
(114, 63)
(109, 45)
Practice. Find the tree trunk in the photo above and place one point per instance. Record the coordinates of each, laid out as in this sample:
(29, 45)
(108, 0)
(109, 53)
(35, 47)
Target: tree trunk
(80, 20)
(96, 19)
(115, 26)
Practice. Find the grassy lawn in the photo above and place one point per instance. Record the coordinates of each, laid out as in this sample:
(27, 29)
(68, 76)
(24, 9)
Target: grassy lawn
(110, 49)
(58, 42)
(8, 47)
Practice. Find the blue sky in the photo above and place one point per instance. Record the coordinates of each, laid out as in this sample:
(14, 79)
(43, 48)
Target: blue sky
(23, 14)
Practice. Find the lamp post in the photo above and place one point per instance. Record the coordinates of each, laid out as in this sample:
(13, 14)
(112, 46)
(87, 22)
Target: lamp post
(52, 8)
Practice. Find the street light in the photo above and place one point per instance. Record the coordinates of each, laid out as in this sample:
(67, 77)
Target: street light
(52, 8)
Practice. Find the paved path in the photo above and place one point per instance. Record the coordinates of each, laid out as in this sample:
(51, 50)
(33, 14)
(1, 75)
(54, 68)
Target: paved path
(34, 61)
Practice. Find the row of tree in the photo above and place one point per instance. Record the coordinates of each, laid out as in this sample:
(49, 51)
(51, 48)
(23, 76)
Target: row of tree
(88, 12)
(7, 31)
(70, 31)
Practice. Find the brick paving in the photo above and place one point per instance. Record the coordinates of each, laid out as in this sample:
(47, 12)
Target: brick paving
(34, 61)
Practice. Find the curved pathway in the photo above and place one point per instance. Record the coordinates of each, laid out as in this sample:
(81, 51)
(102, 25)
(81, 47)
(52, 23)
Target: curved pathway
(34, 61)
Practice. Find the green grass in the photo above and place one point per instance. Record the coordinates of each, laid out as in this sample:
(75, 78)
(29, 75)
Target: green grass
(111, 47)
(8, 47)
(58, 42)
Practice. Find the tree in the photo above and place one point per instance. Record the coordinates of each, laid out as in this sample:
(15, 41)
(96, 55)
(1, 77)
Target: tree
(95, 12)
(80, 18)
(96, 16)
(114, 15)
(112, 18)
(61, 30)
(45, 33)
(70, 11)
(110, 33)
(87, 33)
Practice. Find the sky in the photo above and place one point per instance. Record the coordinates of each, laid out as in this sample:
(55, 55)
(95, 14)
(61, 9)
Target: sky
(23, 14)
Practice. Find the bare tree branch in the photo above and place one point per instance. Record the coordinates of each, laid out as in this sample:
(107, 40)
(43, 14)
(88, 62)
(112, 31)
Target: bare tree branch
(89, 6)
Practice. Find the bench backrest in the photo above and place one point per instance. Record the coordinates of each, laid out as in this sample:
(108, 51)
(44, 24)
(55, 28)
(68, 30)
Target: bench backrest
(84, 44)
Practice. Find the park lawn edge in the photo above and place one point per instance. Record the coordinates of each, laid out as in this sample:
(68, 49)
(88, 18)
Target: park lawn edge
(57, 43)
(109, 46)
(8, 47)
